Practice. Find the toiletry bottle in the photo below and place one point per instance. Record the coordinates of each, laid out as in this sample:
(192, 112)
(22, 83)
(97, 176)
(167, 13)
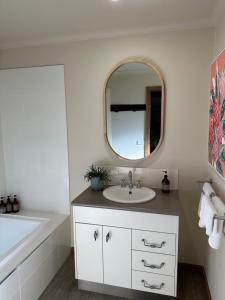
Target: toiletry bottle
(8, 205)
(15, 204)
(165, 183)
(2, 206)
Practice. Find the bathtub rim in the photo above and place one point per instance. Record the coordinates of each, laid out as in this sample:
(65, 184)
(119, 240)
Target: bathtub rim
(55, 220)
(23, 242)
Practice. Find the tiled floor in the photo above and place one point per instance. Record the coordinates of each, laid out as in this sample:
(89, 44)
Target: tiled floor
(191, 286)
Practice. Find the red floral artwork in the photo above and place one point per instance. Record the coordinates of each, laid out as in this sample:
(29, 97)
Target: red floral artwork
(216, 143)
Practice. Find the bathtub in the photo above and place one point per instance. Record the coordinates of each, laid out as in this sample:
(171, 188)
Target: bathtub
(33, 246)
(15, 233)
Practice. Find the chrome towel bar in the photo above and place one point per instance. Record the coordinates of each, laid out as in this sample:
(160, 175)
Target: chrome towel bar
(220, 217)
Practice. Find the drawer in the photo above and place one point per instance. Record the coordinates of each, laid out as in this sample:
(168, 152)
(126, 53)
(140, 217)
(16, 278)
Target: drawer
(154, 263)
(153, 283)
(157, 242)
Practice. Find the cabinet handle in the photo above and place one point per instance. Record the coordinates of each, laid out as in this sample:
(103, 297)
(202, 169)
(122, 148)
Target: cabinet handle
(153, 286)
(107, 237)
(153, 245)
(95, 235)
(153, 266)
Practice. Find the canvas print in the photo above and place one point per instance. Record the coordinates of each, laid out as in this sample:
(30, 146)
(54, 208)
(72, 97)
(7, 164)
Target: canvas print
(216, 141)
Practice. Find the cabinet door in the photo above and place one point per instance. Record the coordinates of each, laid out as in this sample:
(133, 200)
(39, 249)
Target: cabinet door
(89, 252)
(117, 256)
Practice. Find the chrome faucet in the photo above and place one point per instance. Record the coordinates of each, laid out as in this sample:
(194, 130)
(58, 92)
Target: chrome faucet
(130, 181)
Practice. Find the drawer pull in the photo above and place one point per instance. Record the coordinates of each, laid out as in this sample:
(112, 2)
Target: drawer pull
(152, 286)
(153, 266)
(153, 245)
(95, 235)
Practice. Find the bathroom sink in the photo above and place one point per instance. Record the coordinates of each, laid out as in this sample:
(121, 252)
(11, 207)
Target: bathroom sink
(121, 194)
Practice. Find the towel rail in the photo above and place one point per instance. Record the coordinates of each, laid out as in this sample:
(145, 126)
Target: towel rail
(201, 182)
(222, 218)
(204, 181)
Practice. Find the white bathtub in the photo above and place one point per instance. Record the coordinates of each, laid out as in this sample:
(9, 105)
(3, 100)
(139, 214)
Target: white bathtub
(33, 247)
(15, 233)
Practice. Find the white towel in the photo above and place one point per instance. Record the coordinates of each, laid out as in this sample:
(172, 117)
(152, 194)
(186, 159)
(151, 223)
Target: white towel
(207, 211)
(218, 225)
(207, 189)
(201, 210)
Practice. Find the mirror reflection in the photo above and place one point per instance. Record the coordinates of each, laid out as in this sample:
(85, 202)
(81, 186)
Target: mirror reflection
(134, 108)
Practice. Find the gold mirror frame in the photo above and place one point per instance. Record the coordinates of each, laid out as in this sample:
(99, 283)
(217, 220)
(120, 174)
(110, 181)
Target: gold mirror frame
(152, 65)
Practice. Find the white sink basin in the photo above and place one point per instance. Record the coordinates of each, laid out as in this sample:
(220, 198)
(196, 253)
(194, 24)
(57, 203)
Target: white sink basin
(121, 194)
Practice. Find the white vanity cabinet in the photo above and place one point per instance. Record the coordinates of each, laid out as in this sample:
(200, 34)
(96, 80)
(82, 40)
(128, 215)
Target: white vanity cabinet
(128, 249)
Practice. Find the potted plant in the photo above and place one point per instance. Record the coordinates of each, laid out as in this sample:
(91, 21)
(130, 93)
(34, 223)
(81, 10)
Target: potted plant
(99, 177)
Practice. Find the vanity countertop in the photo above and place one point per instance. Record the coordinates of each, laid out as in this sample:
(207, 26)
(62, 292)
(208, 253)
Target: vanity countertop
(167, 204)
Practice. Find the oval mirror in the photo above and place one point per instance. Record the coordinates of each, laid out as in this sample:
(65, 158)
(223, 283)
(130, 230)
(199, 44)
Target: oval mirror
(134, 104)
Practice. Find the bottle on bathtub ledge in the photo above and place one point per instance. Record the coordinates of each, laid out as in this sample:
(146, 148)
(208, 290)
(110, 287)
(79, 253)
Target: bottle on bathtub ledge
(8, 205)
(2, 206)
(15, 204)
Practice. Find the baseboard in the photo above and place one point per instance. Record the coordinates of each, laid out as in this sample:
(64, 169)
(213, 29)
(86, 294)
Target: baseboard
(190, 266)
(206, 283)
(202, 270)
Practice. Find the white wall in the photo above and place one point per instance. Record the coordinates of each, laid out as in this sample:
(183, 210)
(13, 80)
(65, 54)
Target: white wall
(215, 260)
(2, 166)
(184, 59)
(131, 88)
(34, 134)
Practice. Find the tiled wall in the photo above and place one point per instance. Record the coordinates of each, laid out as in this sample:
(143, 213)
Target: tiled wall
(149, 177)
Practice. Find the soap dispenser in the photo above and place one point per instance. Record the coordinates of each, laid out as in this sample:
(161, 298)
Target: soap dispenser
(165, 183)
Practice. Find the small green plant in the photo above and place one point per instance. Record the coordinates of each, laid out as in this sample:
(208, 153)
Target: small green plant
(99, 172)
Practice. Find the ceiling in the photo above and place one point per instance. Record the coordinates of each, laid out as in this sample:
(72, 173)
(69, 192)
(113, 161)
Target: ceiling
(38, 21)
